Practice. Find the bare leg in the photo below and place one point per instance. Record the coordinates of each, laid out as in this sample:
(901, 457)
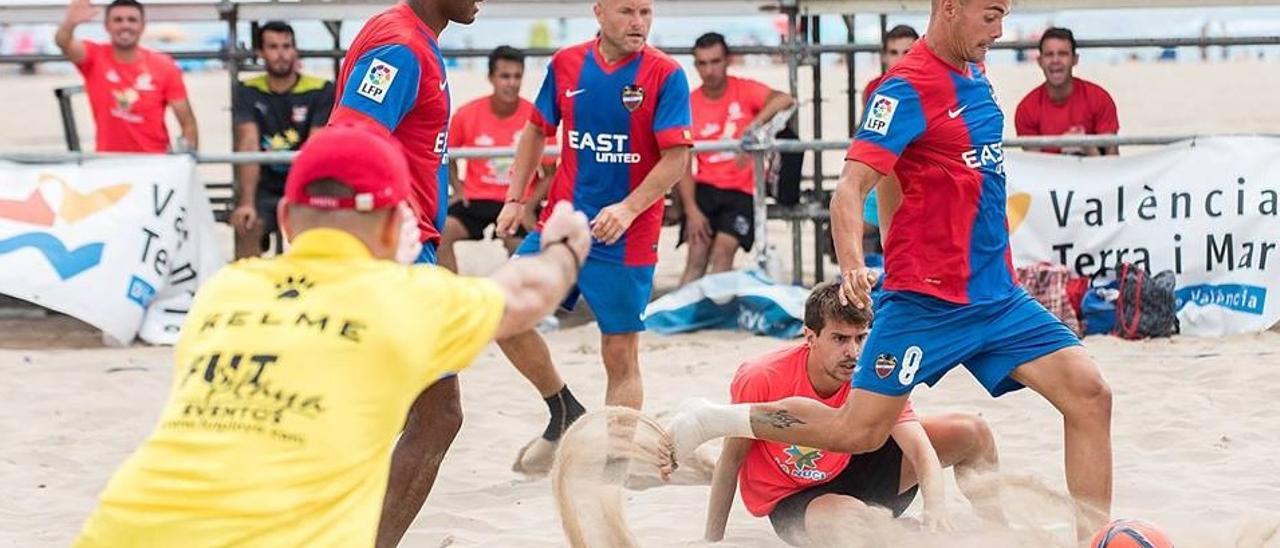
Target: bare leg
(454, 231)
(621, 355)
(433, 422)
(529, 353)
(695, 265)
(1071, 381)
(840, 520)
(722, 251)
(966, 442)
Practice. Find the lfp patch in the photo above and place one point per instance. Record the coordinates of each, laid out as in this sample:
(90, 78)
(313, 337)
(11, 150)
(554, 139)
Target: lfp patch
(377, 80)
(880, 114)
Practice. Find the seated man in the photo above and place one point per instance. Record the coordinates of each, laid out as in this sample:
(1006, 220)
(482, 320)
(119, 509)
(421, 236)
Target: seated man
(1064, 104)
(495, 120)
(272, 112)
(806, 491)
(719, 199)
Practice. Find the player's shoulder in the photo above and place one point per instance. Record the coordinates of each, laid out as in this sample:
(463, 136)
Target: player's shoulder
(1091, 88)
(572, 53)
(256, 84)
(473, 107)
(310, 84)
(770, 368)
(1033, 97)
(157, 58)
(659, 62)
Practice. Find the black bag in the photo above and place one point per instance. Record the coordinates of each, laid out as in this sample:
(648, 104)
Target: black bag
(1147, 306)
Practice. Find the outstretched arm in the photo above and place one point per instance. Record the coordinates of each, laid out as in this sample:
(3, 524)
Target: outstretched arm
(79, 11)
(914, 441)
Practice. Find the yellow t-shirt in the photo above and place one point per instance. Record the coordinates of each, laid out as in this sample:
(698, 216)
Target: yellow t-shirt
(292, 379)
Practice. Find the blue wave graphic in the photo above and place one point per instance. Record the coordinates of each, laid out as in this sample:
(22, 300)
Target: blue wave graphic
(68, 263)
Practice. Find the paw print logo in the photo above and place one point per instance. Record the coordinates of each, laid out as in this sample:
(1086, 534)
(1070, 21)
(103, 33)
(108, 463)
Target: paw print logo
(292, 288)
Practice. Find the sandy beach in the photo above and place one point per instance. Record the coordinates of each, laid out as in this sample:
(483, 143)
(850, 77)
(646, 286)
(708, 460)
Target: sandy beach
(1196, 428)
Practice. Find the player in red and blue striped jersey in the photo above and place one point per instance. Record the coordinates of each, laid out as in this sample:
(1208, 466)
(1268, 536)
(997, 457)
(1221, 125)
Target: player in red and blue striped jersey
(950, 295)
(393, 79)
(623, 110)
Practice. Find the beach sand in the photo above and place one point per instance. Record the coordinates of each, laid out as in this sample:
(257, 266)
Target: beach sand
(1197, 424)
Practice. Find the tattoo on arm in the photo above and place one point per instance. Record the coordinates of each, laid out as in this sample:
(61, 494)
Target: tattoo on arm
(780, 419)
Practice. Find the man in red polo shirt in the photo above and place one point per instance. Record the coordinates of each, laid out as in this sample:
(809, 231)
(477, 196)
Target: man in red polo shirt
(1064, 104)
(128, 85)
(719, 198)
(494, 120)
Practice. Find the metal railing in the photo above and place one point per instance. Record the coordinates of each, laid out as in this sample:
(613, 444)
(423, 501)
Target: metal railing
(761, 148)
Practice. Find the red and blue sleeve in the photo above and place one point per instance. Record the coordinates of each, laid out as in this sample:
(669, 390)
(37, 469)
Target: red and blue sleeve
(893, 119)
(673, 118)
(546, 108)
(383, 87)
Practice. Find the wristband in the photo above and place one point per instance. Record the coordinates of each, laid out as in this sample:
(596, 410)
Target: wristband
(514, 201)
(577, 261)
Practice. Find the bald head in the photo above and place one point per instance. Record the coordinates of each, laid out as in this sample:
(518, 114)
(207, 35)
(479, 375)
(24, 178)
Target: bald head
(624, 25)
(962, 31)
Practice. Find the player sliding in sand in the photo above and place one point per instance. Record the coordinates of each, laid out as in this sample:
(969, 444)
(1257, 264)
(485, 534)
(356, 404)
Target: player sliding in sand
(950, 295)
(808, 493)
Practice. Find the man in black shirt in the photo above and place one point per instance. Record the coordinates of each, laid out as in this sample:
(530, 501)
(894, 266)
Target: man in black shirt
(272, 112)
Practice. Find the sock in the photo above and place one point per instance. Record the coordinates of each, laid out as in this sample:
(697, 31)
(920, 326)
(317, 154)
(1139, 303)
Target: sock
(701, 421)
(564, 410)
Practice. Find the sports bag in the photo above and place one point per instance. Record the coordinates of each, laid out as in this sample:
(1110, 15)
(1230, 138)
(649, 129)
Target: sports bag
(1146, 306)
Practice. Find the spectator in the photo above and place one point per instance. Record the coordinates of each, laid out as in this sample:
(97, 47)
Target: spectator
(1064, 104)
(276, 111)
(897, 42)
(491, 121)
(719, 200)
(128, 85)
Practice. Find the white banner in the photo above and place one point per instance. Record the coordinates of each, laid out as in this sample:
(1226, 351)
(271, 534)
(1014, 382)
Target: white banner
(121, 244)
(1205, 209)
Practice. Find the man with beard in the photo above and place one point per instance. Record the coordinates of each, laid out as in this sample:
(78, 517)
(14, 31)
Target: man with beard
(393, 80)
(275, 111)
(128, 85)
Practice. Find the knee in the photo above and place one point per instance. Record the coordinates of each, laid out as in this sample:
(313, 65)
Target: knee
(1091, 397)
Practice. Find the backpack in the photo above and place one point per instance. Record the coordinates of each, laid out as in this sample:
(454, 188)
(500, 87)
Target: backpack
(1047, 283)
(1146, 306)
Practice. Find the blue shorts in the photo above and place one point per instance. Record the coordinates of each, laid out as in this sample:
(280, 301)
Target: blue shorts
(428, 254)
(618, 294)
(916, 338)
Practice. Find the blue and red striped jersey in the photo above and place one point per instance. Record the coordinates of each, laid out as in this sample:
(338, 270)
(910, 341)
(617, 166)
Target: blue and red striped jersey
(616, 119)
(393, 78)
(940, 131)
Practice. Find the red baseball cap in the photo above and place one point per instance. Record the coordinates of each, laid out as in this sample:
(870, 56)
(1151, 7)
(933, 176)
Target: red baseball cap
(370, 163)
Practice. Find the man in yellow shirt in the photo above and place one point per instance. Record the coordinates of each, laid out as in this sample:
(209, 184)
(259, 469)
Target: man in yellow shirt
(293, 375)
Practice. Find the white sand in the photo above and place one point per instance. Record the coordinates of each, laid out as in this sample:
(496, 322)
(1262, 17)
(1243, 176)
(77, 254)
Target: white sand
(1197, 426)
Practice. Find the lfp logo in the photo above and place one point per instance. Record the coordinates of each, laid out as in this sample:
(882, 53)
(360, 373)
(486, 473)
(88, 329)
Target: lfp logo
(74, 208)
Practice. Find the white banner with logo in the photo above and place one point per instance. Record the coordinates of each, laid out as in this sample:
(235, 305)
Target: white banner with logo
(1205, 209)
(122, 244)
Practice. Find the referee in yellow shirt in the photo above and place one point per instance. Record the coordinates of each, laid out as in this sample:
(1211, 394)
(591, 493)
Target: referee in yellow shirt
(293, 375)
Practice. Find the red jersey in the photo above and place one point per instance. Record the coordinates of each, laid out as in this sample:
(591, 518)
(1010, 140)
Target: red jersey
(726, 118)
(128, 99)
(475, 125)
(393, 78)
(617, 118)
(773, 471)
(938, 129)
(1089, 108)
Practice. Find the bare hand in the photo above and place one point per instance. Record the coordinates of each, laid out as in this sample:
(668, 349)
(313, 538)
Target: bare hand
(855, 287)
(80, 11)
(612, 222)
(567, 223)
(508, 219)
(244, 218)
(697, 229)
